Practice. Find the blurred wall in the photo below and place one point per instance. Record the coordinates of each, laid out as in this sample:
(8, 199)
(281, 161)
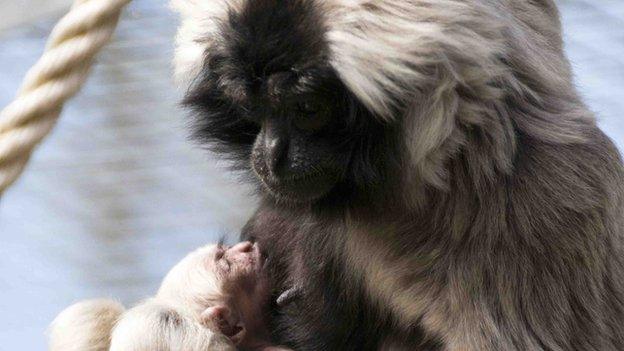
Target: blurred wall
(14, 12)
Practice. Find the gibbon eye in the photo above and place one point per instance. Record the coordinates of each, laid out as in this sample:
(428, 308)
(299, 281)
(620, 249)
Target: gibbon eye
(308, 107)
(311, 116)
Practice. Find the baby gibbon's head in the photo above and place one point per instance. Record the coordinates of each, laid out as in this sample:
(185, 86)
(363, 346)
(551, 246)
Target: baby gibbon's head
(218, 283)
(212, 300)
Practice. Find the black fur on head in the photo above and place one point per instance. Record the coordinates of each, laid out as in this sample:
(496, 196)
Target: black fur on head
(268, 79)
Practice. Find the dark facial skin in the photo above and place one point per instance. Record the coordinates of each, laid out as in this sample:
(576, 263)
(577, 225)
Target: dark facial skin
(294, 155)
(302, 135)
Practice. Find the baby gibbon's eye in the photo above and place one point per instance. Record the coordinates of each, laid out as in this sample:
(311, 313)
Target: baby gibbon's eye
(222, 263)
(219, 254)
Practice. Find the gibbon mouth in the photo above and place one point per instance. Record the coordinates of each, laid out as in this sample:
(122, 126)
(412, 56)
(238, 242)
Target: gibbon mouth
(303, 189)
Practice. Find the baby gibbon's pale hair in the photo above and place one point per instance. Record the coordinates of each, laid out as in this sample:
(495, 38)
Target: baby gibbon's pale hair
(192, 283)
(155, 326)
(85, 326)
(102, 325)
(168, 322)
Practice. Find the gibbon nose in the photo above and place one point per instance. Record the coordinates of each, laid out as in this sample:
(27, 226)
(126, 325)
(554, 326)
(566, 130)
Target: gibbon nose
(244, 247)
(275, 146)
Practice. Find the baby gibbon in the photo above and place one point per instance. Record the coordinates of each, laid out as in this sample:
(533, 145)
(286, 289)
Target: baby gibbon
(216, 298)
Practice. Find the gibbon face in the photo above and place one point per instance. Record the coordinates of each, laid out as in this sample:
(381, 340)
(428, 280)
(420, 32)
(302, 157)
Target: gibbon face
(268, 96)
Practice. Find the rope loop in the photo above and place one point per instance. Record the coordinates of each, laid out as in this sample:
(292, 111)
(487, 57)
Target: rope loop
(54, 79)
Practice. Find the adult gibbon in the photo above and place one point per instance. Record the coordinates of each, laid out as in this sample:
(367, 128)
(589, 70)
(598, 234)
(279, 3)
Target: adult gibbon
(430, 179)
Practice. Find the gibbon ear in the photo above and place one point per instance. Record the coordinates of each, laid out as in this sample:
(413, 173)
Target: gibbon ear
(221, 319)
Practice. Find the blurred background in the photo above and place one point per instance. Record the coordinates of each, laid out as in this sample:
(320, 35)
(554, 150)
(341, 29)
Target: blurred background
(118, 194)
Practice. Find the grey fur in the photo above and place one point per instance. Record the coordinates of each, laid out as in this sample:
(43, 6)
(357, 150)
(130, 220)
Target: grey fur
(509, 231)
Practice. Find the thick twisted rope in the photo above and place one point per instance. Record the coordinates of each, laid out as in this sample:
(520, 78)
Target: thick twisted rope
(56, 77)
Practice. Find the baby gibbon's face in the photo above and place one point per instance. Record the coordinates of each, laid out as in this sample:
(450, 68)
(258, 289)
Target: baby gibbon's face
(236, 263)
(213, 273)
(216, 288)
